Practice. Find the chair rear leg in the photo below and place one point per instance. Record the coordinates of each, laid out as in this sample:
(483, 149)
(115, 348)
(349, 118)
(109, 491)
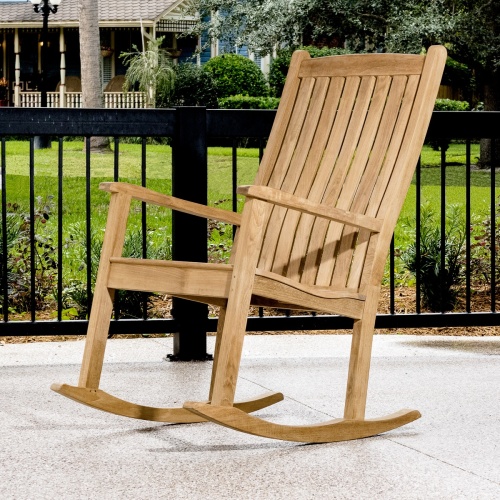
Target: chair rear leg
(359, 363)
(102, 304)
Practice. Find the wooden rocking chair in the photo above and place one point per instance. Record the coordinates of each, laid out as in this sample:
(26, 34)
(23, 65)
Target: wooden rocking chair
(314, 234)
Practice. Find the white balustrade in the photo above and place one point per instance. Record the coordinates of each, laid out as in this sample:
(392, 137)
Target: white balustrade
(112, 100)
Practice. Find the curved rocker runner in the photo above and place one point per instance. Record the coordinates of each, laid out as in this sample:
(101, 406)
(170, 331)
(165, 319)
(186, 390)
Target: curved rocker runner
(96, 398)
(314, 235)
(327, 432)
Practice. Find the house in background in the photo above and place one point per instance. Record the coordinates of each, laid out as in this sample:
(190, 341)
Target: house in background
(122, 24)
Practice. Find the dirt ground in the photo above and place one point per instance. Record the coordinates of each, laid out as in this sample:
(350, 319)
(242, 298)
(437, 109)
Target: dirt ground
(404, 302)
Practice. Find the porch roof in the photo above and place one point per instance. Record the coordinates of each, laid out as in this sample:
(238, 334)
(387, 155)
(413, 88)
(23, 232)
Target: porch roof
(112, 13)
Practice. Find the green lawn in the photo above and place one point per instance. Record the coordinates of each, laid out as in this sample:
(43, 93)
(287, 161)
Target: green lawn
(159, 170)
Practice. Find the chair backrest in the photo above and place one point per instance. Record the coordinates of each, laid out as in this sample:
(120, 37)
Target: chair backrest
(348, 133)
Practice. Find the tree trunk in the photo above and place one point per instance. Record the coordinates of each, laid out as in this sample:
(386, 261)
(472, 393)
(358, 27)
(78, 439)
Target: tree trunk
(490, 148)
(90, 53)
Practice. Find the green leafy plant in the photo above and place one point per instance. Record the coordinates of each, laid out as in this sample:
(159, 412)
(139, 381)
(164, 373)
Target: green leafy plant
(151, 69)
(220, 241)
(481, 249)
(440, 285)
(234, 74)
(128, 303)
(19, 255)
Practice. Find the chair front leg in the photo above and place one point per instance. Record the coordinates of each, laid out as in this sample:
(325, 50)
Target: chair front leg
(359, 362)
(232, 331)
(102, 304)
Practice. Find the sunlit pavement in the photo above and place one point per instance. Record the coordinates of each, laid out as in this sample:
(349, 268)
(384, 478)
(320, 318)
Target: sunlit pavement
(52, 447)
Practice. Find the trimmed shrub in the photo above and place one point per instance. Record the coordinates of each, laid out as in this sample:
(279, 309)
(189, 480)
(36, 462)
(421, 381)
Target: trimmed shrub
(193, 87)
(450, 105)
(248, 102)
(280, 65)
(234, 74)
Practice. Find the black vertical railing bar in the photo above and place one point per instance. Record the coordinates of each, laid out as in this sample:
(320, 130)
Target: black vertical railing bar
(88, 222)
(5, 250)
(392, 284)
(144, 228)
(443, 226)
(493, 227)
(234, 174)
(467, 226)
(418, 217)
(32, 231)
(116, 178)
(59, 228)
(261, 149)
(234, 180)
(116, 156)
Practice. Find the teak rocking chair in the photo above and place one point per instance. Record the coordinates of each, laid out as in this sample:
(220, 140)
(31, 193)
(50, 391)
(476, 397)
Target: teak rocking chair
(314, 235)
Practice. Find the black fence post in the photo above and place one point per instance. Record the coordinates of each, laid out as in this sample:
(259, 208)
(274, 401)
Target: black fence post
(189, 233)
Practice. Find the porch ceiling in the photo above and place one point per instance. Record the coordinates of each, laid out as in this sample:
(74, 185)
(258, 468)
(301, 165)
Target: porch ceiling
(112, 13)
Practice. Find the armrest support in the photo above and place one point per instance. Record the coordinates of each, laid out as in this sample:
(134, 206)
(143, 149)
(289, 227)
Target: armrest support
(293, 202)
(155, 198)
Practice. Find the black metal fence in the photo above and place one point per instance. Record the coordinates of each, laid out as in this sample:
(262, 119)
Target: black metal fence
(191, 130)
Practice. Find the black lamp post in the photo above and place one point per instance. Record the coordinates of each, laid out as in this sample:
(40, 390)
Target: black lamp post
(45, 7)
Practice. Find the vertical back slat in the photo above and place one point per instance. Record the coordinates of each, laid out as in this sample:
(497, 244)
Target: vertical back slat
(280, 125)
(339, 133)
(284, 223)
(278, 172)
(337, 176)
(309, 177)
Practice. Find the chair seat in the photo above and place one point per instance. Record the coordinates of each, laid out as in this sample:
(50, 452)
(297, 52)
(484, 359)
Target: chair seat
(210, 283)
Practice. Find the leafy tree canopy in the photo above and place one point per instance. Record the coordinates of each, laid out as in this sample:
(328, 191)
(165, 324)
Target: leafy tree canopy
(470, 28)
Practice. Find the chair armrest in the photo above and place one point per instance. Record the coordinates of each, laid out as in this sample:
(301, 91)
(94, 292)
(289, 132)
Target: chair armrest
(155, 198)
(293, 202)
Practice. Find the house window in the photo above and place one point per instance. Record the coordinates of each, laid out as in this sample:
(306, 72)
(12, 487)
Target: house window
(106, 70)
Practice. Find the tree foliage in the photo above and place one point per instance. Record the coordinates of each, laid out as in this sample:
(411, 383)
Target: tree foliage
(470, 28)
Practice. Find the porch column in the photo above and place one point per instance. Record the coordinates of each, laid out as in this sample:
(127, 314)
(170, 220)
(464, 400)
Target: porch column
(113, 63)
(17, 52)
(62, 85)
(4, 55)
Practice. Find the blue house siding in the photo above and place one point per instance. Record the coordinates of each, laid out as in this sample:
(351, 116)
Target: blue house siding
(206, 53)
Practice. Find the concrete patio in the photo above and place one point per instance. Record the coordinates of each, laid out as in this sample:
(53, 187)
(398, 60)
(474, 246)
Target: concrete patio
(51, 447)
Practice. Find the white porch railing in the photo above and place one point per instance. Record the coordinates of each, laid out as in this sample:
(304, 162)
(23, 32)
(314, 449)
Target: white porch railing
(112, 100)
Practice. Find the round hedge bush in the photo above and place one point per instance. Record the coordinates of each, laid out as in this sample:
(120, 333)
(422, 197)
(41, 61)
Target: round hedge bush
(234, 74)
(193, 86)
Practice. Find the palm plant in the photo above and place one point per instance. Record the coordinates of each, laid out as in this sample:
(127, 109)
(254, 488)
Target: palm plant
(151, 69)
